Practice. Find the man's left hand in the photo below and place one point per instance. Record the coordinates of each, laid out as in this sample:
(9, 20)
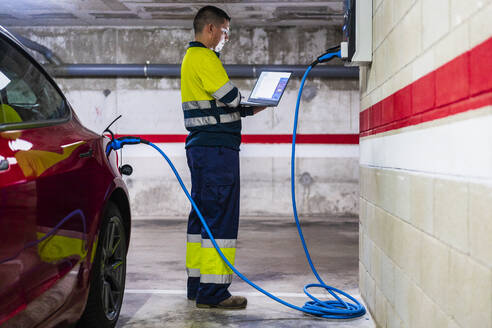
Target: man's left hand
(256, 110)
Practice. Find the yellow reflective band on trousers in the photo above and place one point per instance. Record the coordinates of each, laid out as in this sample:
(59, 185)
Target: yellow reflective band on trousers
(193, 258)
(212, 264)
(203, 260)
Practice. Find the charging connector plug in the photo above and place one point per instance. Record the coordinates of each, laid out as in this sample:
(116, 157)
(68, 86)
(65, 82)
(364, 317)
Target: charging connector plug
(118, 143)
(327, 56)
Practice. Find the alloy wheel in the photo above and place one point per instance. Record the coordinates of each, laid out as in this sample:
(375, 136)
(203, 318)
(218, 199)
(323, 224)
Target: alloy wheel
(113, 267)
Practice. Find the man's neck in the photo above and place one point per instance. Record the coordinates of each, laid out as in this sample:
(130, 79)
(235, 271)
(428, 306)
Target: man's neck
(202, 40)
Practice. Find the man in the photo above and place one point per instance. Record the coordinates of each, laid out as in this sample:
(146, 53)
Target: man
(212, 115)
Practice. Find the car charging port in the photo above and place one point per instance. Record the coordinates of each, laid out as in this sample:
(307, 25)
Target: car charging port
(126, 170)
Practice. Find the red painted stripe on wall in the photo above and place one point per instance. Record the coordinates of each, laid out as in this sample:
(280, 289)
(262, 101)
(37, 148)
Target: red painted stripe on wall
(336, 139)
(464, 83)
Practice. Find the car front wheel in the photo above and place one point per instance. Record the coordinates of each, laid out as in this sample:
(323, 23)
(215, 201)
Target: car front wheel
(107, 283)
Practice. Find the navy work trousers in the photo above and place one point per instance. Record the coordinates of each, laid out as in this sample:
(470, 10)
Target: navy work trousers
(215, 190)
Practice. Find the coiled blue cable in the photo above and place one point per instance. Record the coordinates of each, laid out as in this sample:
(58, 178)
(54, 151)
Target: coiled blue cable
(338, 309)
(333, 309)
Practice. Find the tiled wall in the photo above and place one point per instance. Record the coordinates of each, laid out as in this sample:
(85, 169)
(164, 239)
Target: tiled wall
(426, 165)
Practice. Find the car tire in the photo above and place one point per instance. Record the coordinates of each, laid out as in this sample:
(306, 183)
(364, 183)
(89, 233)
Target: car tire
(107, 284)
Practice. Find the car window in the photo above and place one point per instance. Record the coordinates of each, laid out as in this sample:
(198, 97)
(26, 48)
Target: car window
(26, 95)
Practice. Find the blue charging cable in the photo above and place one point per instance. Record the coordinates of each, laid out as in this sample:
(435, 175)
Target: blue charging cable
(332, 309)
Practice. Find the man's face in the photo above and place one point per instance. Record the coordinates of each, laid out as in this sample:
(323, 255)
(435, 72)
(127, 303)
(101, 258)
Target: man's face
(220, 32)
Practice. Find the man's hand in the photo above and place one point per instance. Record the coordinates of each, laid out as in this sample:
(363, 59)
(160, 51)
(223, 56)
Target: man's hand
(256, 110)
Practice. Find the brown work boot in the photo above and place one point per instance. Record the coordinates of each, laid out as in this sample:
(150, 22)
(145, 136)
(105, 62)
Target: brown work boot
(231, 303)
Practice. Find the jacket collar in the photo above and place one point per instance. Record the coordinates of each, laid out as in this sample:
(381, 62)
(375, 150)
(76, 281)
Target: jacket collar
(200, 45)
(196, 44)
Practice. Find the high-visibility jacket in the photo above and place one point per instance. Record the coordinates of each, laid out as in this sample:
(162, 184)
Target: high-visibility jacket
(210, 101)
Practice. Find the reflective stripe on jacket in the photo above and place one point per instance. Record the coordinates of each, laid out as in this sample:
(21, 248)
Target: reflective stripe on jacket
(210, 101)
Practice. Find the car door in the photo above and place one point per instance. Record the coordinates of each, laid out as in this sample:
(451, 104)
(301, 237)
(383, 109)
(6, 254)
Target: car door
(48, 176)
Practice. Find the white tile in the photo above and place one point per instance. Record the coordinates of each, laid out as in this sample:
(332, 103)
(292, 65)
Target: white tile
(394, 320)
(469, 292)
(457, 42)
(376, 265)
(365, 103)
(461, 10)
(423, 64)
(372, 190)
(398, 244)
(434, 269)
(435, 19)
(388, 277)
(481, 25)
(451, 213)
(388, 234)
(403, 78)
(376, 5)
(402, 199)
(379, 67)
(480, 222)
(460, 281)
(389, 61)
(380, 313)
(362, 279)
(388, 21)
(412, 252)
(376, 228)
(422, 309)
(389, 86)
(363, 182)
(403, 295)
(361, 241)
(366, 252)
(377, 29)
(440, 318)
(401, 7)
(422, 202)
(371, 78)
(370, 293)
(377, 95)
(409, 36)
(385, 189)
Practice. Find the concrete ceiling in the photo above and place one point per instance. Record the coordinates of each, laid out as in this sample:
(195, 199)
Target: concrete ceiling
(166, 12)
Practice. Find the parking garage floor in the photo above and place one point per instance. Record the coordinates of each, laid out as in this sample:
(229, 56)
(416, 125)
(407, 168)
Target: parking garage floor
(269, 253)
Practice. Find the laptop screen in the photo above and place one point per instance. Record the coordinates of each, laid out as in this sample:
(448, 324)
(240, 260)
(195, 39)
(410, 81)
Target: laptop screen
(270, 86)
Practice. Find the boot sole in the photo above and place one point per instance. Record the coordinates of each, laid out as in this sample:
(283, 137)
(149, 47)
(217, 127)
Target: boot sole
(209, 306)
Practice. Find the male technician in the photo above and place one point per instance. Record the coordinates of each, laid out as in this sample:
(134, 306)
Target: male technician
(212, 115)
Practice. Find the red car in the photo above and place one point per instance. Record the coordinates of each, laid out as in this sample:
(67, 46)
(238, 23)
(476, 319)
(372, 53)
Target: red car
(64, 210)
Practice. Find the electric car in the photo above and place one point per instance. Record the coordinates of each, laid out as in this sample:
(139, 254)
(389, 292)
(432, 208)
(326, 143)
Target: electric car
(64, 209)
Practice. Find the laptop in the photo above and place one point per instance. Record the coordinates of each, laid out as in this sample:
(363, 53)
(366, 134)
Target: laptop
(268, 89)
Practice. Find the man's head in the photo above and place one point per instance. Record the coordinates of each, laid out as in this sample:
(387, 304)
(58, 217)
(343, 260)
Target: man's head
(211, 26)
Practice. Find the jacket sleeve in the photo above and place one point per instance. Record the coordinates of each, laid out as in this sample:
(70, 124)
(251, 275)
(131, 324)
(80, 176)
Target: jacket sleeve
(216, 82)
(228, 94)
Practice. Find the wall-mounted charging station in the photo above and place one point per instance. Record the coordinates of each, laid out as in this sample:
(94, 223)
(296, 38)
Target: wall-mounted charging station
(356, 47)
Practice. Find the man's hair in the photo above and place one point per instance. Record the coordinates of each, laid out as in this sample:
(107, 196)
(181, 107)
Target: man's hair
(209, 15)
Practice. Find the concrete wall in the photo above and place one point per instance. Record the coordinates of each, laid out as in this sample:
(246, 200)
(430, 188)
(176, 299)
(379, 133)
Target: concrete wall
(153, 106)
(426, 165)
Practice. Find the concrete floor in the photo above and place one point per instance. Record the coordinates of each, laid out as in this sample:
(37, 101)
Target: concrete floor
(269, 253)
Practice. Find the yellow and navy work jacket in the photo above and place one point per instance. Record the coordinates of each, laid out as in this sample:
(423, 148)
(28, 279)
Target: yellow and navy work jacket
(210, 101)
